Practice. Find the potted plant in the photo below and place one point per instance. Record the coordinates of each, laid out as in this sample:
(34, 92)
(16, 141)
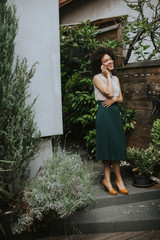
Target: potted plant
(143, 163)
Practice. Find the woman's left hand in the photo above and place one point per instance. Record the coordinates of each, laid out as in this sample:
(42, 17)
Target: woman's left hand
(108, 102)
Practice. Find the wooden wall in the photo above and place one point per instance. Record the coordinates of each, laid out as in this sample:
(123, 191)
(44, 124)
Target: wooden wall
(136, 80)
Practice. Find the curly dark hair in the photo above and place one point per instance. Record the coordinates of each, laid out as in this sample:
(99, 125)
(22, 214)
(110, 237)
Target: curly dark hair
(96, 57)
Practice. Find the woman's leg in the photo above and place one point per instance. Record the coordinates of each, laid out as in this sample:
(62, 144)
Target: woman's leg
(119, 180)
(107, 174)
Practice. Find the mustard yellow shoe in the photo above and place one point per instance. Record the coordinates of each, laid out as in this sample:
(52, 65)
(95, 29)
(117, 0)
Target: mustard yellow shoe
(122, 191)
(110, 191)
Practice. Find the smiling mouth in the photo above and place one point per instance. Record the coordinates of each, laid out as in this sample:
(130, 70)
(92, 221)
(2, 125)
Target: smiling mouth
(110, 65)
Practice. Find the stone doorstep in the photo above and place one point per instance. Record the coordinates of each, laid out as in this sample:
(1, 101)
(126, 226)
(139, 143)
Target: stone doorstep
(139, 216)
(145, 210)
(132, 198)
(136, 194)
(103, 199)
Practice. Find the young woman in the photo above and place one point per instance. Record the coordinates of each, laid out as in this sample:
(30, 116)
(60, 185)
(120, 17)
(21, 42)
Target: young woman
(110, 140)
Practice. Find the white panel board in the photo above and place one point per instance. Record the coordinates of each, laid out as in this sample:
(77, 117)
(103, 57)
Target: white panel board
(38, 40)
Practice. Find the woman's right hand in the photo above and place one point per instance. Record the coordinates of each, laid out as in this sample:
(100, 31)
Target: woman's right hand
(104, 70)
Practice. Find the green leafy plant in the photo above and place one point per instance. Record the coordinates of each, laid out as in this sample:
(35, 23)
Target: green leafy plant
(128, 119)
(64, 185)
(82, 36)
(155, 132)
(81, 106)
(142, 32)
(146, 161)
(143, 161)
(91, 141)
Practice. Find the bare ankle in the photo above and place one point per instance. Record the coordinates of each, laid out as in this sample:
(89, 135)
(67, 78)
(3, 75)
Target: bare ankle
(119, 179)
(107, 181)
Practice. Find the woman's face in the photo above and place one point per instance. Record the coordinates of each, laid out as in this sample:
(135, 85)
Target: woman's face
(108, 62)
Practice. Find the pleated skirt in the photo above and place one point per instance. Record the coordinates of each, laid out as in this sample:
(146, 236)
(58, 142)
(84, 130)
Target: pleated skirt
(110, 139)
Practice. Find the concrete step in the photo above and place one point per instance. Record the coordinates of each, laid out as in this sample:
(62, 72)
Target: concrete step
(137, 216)
(103, 199)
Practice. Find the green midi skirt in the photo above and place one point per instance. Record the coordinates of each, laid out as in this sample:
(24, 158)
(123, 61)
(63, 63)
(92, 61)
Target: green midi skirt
(110, 139)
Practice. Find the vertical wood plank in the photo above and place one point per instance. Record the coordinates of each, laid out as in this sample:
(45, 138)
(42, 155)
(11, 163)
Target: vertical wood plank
(140, 84)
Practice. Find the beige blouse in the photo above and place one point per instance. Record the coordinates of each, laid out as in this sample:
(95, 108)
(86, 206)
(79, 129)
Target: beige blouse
(99, 96)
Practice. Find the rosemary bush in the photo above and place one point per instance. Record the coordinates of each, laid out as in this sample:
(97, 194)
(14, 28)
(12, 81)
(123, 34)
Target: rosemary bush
(19, 138)
(63, 185)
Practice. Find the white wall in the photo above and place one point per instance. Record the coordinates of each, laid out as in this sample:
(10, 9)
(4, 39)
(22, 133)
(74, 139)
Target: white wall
(38, 40)
(93, 10)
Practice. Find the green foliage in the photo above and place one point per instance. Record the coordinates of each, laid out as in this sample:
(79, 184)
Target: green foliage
(8, 26)
(90, 141)
(143, 161)
(82, 36)
(128, 119)
(80, 102)
(17, 126)
(155, 132)
(19, 139)
(63, 185)
(6, 170)
(79, 105)
(142, 31)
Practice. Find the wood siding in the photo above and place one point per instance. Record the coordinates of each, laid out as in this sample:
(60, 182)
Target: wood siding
(140, 84)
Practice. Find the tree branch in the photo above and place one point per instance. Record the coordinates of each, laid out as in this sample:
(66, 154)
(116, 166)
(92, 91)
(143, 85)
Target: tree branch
(147, 27)
(131, 45)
